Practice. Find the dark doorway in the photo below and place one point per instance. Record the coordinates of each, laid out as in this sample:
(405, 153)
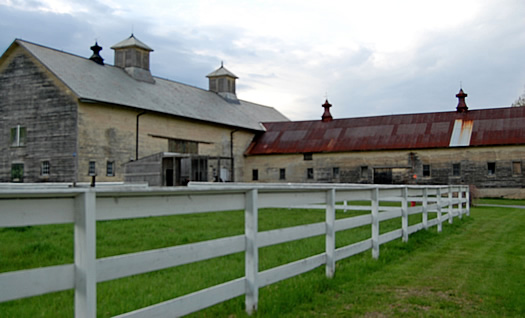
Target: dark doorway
(169, 177)
(383, 176)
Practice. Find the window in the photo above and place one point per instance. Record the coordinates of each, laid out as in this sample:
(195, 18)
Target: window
(110, 168)
(426, 170)
(364, 172)
(282, 174)
(335, 172)
(18, 136)
(516, 167)
(456, 169)
(92, 171)
(310, 173)
(308, 156)
(17, 172)
(45, 168)
(255, 174)
(491, 168)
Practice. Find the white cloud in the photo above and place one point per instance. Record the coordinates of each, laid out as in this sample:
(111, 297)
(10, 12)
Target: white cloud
(371, 57)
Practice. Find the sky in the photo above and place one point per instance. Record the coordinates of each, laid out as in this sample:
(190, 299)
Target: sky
(368, 58)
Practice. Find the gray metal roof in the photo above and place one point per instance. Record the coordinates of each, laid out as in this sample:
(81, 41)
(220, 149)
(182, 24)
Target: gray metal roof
(221, 71)
(110, 84)
(130, 42)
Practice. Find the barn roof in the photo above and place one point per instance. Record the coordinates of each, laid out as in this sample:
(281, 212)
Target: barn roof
(484, 127)
(109, 84)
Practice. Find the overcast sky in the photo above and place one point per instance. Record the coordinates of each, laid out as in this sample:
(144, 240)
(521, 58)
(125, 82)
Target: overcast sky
(373, 57)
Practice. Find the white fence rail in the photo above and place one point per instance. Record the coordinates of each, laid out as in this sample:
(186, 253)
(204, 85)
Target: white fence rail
(83, 207)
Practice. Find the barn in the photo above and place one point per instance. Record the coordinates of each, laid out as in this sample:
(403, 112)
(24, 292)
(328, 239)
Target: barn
(484, 148)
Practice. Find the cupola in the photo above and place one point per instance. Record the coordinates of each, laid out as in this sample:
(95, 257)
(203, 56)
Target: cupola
(326, 115)
(222, 82)
(462, 106)
(132, 55)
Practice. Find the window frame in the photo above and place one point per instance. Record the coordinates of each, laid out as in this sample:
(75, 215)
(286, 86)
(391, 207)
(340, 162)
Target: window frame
(491, 168)
(426, 172)
(92, 168)
(308, 156)
(456, 169)
(110, 168)
(310, 173)
(282, 174)
(21, 177)
(18, 136)
(363, 172)
(45, 168)
(515, 172)
(336, 172)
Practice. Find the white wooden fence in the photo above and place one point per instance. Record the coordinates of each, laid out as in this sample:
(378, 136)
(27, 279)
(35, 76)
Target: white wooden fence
(85, 206)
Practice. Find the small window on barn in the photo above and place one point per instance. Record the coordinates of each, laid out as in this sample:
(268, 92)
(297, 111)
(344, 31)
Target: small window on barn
(310, 173)
(110, 168)
(516, 168)
(426, 171)
(308, 156)
(45, 168)
(17, 172)
(335, 172)
(255, 174)
(456, 169)
(364, 172)
(92, 168)
(491, 168)
(18, 136)
(282, 174)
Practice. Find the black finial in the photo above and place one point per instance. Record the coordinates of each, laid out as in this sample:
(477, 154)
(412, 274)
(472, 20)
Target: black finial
(96, 54)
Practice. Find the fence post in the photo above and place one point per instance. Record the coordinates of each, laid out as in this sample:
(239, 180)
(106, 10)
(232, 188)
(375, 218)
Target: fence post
(252, 252)
(85, 255)
(450, 206)
(375, 222)
(460, 204)
(330, 233)
(404, 213)
(438, 196)
(425, 208)
(467, 199)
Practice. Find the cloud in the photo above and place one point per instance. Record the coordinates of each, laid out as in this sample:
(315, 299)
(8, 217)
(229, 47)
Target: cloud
(371, 57)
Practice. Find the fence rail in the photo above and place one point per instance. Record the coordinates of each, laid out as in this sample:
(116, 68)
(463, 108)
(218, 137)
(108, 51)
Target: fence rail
(85, 206)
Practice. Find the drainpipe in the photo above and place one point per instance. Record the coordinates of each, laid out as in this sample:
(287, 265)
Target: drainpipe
(231, 154)
(137, 135)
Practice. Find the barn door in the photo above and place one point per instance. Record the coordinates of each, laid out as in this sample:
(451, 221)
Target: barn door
(383, 176)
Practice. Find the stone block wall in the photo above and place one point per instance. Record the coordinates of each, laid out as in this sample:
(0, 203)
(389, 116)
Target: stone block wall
(404, 167)
(32, 98)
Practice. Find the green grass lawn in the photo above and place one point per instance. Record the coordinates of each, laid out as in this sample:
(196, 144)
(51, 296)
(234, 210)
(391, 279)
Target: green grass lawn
(475, 267)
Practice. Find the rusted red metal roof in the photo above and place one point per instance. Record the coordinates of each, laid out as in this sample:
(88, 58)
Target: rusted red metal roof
(483, 127)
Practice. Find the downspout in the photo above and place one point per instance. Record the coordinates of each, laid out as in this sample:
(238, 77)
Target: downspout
(231, 154)
(137, 137)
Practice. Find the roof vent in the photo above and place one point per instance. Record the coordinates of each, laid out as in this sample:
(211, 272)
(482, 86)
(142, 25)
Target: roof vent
(96, 54)
(132, 55)
(462, 106)
(222, 82)
(326, 115)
